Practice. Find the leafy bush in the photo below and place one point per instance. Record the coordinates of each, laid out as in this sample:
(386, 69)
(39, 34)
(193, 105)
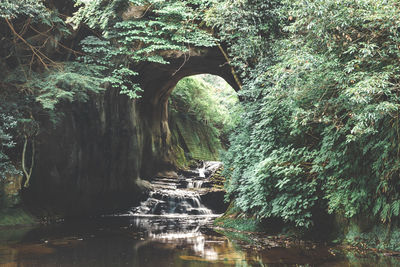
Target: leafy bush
(321, 120)
(7, 122)
(33, 80)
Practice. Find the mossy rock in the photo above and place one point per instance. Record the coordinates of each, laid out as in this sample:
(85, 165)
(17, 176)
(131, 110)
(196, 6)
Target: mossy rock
(180, 159)
(9, 191)
(200, 141)
(192, 141)
(16, 217)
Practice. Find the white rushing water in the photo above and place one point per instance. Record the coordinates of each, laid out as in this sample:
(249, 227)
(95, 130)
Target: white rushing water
(173, 209)
(172, 202)
(202, 171)
(176, 197)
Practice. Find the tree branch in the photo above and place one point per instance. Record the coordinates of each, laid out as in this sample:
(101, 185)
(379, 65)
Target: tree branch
(239, 84)
(28, 174)
(35, 51)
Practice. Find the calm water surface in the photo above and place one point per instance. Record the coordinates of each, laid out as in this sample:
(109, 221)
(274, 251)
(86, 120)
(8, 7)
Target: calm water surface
(156, 241)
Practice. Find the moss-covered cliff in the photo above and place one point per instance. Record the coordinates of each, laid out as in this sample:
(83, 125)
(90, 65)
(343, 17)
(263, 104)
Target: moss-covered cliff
(198, 141)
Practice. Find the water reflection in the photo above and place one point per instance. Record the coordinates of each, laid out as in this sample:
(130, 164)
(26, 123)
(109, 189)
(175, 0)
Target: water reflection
(190, 239)
(143, 242)
(180, 232)
(171, 228)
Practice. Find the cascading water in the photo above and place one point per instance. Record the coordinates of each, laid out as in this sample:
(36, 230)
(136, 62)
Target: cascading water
(175, 196)
(173, 208)
(202, 171)
(194, 184)
(172, 202)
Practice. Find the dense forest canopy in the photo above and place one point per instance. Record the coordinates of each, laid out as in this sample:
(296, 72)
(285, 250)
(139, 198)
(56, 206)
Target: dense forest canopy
(320, 127)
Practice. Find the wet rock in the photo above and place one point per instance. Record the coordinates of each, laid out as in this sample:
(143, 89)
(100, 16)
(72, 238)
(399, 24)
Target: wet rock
(189, 173)
(211, 167)
(167, 174)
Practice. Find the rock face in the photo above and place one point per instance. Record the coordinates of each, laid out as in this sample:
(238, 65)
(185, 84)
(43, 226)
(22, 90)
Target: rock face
(9, 188)
(192, 140)
(93, 160)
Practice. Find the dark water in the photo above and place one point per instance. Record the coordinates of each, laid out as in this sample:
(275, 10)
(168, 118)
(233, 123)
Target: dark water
(156, 241)
(171, 228)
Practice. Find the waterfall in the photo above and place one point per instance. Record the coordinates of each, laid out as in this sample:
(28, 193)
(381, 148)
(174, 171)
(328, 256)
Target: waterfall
(202, 171)
(175, 196)
(172, 202)
(173, 209)
(198, 184)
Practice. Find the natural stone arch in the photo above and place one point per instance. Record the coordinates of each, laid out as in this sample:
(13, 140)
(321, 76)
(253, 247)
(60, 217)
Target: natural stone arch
(93, 159)
(158, 82)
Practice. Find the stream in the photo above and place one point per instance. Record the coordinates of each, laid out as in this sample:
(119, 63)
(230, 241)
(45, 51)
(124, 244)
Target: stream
(171, 228)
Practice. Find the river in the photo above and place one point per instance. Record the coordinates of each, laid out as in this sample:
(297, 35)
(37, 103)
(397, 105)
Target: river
(125, 241)
(171, 228)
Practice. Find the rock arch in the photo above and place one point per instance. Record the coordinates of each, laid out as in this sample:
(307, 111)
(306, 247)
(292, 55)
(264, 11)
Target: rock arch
(93, 160)
(158, 81)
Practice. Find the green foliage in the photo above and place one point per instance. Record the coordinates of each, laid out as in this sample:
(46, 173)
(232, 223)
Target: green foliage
(32, 80)
(103, 56)
(241, 224)
(206, 104)
(16, 217)
(321, 123)
(73, 82)
(248, 27)
(7, 123)
(378, 236)
(70, 82)
(138, 31)
(13, 8)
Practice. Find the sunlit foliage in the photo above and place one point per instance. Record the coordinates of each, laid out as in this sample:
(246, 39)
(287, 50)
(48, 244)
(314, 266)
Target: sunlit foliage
(207, 100)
